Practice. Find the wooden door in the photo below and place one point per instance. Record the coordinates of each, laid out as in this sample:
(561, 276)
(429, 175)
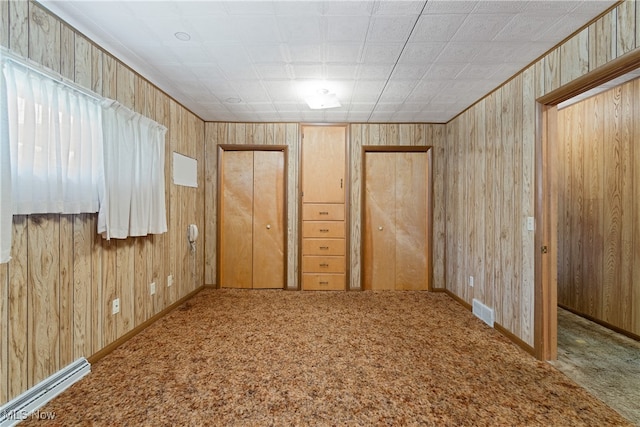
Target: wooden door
(236, 220)
(323, 180)
(395, 223)
(252, 250)
(268, 219)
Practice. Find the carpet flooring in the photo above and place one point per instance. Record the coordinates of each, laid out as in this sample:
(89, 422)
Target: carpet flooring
(245, 358)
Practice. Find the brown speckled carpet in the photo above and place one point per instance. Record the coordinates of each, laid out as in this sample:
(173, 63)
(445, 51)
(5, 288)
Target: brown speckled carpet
(257, 358)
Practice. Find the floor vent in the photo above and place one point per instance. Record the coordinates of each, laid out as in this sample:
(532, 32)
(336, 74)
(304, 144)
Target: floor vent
(20, 408)
(483, 312)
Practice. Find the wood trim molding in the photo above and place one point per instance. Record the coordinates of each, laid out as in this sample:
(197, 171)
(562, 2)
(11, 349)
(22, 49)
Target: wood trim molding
(135, 331)
(611, 70)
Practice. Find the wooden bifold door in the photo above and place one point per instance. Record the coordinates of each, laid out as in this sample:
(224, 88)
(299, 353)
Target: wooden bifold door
(396, 221)
(252, 248)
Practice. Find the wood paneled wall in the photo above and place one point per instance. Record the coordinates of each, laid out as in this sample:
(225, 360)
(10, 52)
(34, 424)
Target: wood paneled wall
(397, 134)
(251, 134)
(490, 173)
(56, 292)
(599, 211)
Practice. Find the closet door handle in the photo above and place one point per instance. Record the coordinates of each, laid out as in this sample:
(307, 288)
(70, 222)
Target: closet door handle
(381, 228)
(268, 226)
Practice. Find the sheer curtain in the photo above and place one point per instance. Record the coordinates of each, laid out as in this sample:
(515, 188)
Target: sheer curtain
(55, 143)
(134, 198)
(6, 203)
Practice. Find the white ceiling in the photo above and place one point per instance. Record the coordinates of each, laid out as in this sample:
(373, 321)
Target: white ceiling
(387, 60)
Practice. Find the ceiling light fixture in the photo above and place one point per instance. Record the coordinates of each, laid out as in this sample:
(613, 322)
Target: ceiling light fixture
(323, 100)
(180, 35)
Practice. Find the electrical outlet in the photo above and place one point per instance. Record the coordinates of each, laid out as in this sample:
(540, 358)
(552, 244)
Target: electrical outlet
(153, 288)
(115, 306)
(471, 281)
(169, 280)
(531, 223)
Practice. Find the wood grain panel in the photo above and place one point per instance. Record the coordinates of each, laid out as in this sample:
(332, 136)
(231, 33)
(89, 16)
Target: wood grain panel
(4, 41)
(67, 52)
(356, 132)
(19, 357)
(19, 27)
(44, 37)
(635, 294)
(66, 301)
(602, 41)
(626, 27)
(627, 248)
(268, 219)
(82, 302)
(575, 57)
(439, 207)
(236, 220)
(43, 326)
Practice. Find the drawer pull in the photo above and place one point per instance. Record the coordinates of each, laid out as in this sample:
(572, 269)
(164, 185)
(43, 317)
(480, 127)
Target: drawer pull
(323, 213)
(323, 283)
(324, 264)
(324, 230)
(324, 247)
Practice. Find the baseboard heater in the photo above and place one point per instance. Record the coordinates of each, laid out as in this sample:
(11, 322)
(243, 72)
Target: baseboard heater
(483, 312)
(23, 406)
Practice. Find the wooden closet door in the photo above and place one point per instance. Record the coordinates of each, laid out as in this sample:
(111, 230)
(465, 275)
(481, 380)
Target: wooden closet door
(411, 220)
(268, 219)
(379, 224)
(236, 237)
(395, 223)
(323, 180)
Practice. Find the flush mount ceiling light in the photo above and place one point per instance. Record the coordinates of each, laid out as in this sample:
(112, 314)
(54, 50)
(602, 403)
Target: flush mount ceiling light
(180, 35)
(323, 100)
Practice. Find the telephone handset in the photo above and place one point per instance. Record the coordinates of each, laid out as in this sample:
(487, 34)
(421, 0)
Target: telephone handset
(192, 236)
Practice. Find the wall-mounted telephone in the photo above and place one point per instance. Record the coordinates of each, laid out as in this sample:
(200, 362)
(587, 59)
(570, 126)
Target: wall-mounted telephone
(192, 235)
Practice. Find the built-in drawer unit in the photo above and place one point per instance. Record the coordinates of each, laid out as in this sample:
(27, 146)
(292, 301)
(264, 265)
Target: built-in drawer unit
(323, 264)
(323, 247)
(323, 282)
(322, 212)
(323, 229)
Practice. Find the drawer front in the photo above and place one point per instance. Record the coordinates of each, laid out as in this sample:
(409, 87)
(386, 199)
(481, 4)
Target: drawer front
(323, 264)
(323, 282)
(323, 247)
(322, 212)
(323, 229)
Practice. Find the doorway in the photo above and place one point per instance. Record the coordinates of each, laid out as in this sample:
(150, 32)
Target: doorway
(546, 259)
(396, 238)
(251, 212)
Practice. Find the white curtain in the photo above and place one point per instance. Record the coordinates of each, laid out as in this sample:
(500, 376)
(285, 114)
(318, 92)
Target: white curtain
(134, 199)
(6, 202)
(55, 144)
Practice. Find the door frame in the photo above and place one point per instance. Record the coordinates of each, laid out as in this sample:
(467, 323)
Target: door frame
(285, 203)
(546, 198)
(401, 149)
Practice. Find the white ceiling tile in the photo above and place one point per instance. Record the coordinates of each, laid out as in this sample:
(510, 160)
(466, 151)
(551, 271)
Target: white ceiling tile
(347, 28)
(448, 6)
(391, 28)
(274, 71)
(482, 27)
(437, 28)
(386, 107)
(257, 28)
(374, 72)
(341, 71)
(267, 53)
(398, 7)
(263, 51)
(301, 28)
(382, 53)
(397, 90)
(352, 7)
(421, 53)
